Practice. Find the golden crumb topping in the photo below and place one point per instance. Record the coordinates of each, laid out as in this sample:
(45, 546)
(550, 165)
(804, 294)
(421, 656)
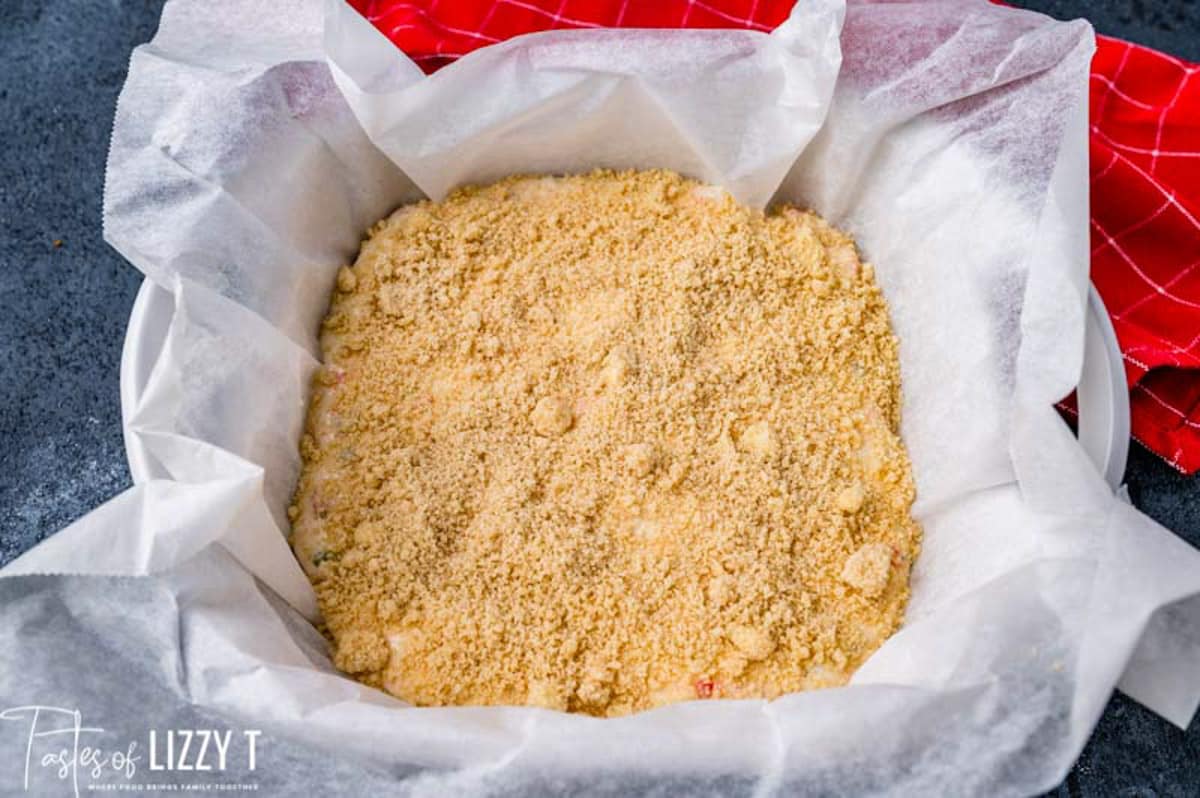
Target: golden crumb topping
(604, 442)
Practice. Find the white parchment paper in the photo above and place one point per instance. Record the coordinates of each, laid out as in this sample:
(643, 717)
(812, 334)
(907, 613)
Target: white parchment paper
(255, 142)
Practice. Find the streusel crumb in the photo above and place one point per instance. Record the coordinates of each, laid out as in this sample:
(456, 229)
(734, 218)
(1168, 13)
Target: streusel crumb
(603, 442)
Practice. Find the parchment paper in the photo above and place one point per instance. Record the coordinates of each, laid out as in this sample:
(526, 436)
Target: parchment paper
(255, 143)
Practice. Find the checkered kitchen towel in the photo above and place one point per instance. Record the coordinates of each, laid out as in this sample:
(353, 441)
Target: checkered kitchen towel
(1145, 173)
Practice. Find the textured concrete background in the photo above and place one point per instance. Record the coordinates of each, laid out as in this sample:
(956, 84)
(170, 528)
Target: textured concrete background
(64, 309)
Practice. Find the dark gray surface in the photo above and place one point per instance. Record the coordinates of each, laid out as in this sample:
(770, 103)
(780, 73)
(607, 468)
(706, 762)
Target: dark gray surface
(1172, 26)
(65, 309)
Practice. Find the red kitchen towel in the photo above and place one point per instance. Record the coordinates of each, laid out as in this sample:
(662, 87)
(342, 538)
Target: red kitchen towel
(1145, 172)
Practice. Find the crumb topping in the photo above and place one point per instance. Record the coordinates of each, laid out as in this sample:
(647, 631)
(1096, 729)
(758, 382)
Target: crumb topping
(604, 442)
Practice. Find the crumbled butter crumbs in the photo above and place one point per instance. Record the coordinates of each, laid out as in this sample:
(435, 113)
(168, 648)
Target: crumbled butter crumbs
(603, 442)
